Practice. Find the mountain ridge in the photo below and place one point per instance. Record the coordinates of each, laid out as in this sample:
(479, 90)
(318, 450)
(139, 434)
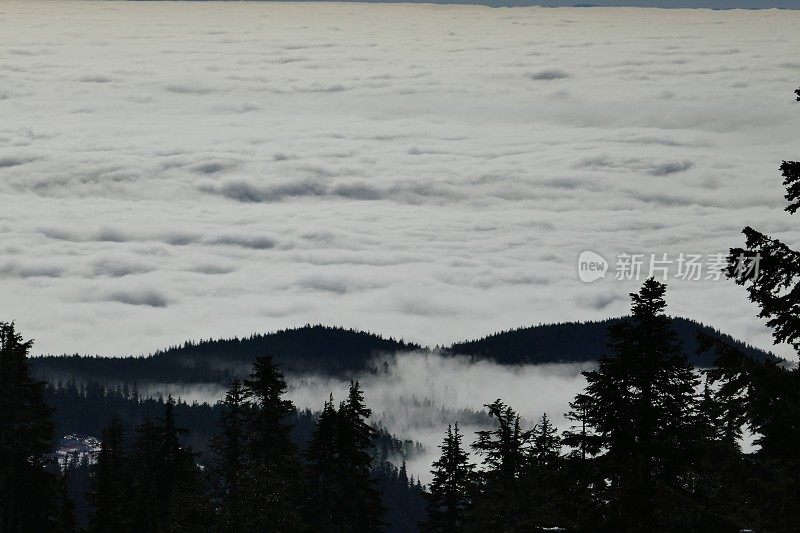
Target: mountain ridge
(510, 346)
(341, 351)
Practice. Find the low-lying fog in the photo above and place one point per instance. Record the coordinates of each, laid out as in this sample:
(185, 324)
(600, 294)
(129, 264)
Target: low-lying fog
(417, 394)
(420, 393)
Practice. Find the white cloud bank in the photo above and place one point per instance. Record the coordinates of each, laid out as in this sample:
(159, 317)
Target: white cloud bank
(421, 393)
(174, 171)
(418, 394)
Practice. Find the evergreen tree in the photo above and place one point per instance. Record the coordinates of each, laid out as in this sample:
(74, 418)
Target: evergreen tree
(546, 495)
(451, 487)
(584, 481)
(229, 469)
(180, 481)
(360, 507)
(325, 491)
(641, 402)
(28, 492)
(110, 492)
(275, 494)
(581, 436)
(65, 507)
(546, 444)
(270, 434)
(764, 395)
(719, 483)
(168, 491)
(496, 506)
(143, 478)
(402, 474)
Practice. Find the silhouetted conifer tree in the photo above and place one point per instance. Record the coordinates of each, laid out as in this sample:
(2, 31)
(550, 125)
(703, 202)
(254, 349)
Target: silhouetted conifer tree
(719, 481)
(546, 444)
(581, 436)
(168, 491)
(65, 507)
(765, 395)
(229, 471)
(272, 457)
(28, 493)
(110, 494)
(360, 508)
(325, 490)
(451, 487)
(546, 497)
(504, 451)
(641, 401)
(585, 483)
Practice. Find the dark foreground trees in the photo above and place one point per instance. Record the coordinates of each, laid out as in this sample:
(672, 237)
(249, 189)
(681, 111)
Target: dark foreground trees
(255, 481)
(28, 490)
(647, 452)
(766, 396)
(640, 401)
(110, 494)
(341, 485)
(632, 464)
(155, 485)
(452, 485)
(272, 488)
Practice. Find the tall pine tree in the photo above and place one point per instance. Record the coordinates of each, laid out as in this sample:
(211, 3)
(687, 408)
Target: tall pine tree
(360, 509)
(451, 487)
(641, 401)
(276, 496)
(168, 492)
(229, 472)
(28, 492)
(504, 449)
(543, 492)
(765, 395)
(110, 490)
(325, 491)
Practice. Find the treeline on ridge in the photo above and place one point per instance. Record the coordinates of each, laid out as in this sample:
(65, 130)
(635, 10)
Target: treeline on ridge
(342, 352)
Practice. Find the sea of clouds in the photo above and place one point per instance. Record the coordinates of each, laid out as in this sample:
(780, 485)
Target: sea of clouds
(174, 171)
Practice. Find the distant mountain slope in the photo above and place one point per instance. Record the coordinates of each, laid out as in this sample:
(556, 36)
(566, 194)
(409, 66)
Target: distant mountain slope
(582, 342)
(338, 351)
(309, 348)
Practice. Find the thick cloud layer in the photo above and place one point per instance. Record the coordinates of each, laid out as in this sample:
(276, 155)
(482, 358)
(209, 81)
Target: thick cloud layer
(174, 171)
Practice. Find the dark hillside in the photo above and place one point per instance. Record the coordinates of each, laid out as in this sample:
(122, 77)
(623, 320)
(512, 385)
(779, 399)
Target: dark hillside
(578, 342)
(321, 349)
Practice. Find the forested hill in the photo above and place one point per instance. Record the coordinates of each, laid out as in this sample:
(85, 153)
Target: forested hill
(338, 351)
(584, 341)
(320, 349)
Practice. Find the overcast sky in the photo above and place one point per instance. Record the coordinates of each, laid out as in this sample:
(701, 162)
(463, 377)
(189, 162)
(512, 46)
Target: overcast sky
(709, 4)
(194, 170)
